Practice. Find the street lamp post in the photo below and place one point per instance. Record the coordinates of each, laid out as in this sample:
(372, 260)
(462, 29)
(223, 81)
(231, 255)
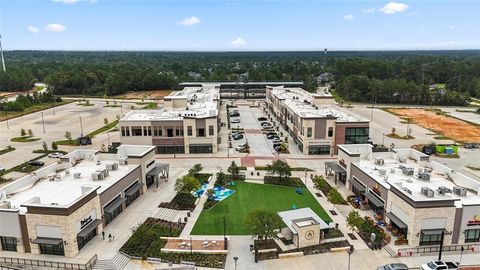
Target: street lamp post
(43, 123)
(224, 232)
(350, 251)
(235, 259)
(81, 127)
(383, 139)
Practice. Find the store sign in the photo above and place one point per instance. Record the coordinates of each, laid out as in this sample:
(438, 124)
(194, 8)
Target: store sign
(342, 163)
(376, 189)
(87, 219)
(474, 221)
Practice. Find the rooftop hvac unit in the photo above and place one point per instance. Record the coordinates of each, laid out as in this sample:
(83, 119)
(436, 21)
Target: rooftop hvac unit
(112, 167)
(382, 172)
(98, 162)
(460, 191)
(392, 170)
(443, 190)
(5, 205)
(402, 159)
(424, 176)
(407, 170)
(122, 161)
(428, 192)
(76, 175)
(98, 176)
(407, 190)
(67, 172)
(379, 161)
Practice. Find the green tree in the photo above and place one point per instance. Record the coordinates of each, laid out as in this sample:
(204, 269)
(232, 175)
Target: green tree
(105, 120)
(280, 168)
(23, 132)
(44, 146)
(54, 146)
(234, 170)
(335, 197)
(186, 184)
(354, 220)
(30, 132)
(263, 223)
(68, 135)
(195, 169)
(221, 178)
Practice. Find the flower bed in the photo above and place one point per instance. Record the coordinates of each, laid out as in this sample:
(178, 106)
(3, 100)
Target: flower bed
(289, 182)
(181, 201)
(367, 227)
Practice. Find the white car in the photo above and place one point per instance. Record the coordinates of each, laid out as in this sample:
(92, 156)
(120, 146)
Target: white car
(235, 121)
(439, 265)
(241, 147)
(55, 155)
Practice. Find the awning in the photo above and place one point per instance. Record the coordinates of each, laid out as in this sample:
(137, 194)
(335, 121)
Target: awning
(374, 200)
(335, 167)
(357, 185)
(114, 205)
(90, 227)
(433, 231)
(131, 190)
(394, 219)
(158, 169)
(47, 241)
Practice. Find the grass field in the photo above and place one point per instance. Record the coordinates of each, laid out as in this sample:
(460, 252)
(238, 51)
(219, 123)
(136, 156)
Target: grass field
(34, 108)
(24, 139)
(247, 197)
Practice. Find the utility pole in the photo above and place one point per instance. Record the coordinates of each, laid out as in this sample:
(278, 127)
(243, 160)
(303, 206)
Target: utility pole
(43, 123)
(3, 59)
(81, 127)
(408, 126)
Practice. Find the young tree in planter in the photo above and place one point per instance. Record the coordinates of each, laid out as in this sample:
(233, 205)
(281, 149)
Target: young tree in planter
(54, 146)
(195, 169)
(221, 178)
(280, 168)
(234, 170)
(186, 184)
(68, 135)
(30, 133)
(263, 223)
(23, 132)
(105, 120)
(354, 220)
(45, 146)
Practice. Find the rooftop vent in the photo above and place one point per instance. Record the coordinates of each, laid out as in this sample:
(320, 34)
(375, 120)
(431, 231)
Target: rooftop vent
(407, 170)
(122, 161)
(379, 161)
(112, 167)
(424, 176)
(407, 190)
(5, 205)
(402, 159)
(443, 190)
(428, 192)
(98, 162)
(76, 175)
(382, 172)
(460, 191)
(392, 170)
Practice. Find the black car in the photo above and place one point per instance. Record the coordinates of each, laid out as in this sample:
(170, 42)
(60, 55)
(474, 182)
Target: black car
(238, 136)
(36, 163)
(262, 118)
(276, 145)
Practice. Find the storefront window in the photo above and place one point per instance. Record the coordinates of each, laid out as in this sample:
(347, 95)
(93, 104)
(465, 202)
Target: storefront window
(472, 236)
(82, 241)
(8, 243)
(430, 239)
(356, 135)
(319, 150)
(52, 249)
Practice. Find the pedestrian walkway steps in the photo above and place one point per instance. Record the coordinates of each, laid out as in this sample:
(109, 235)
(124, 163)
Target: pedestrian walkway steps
(390, 251)
(118, 262)
(166, 214)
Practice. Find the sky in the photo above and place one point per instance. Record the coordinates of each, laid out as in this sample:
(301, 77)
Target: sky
(247, 25)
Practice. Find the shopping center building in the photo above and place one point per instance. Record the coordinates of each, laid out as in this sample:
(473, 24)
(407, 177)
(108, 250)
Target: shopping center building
(314, 121)
(419, 197)
(59, 208)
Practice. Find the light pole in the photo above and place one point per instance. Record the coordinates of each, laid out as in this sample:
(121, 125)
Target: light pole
(224, 233)
(43, 123)
(305, 177)
(461, 254)
(350, 251)
(383, 139)
(235, 259)
(81, 127)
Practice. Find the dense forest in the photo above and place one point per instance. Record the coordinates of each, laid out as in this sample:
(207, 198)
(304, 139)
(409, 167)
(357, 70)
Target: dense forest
(382, 77)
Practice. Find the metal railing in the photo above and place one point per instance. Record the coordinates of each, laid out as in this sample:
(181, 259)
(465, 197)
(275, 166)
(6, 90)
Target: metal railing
(435, 249)
(60, 265)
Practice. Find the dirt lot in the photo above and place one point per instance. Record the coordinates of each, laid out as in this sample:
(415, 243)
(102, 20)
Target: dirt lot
(447, 126)
(152, 94)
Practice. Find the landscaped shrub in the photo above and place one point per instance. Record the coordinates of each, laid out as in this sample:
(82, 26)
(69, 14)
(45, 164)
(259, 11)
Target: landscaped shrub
(202, 177)
(321, 184)
(209, 204)
(181, 201)
(335, 197)
(289, 182)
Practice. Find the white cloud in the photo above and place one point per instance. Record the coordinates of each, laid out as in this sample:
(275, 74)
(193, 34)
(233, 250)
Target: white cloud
(393, 7)
(54, 27)
(32, 29)
(238, 42)
(348, 17)
(67, 1)
(368, 10)
(190, 21)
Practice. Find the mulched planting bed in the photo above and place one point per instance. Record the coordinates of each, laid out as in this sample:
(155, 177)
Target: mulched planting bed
(333, 212)
(352, 236)
(289, 182)
(181, 201)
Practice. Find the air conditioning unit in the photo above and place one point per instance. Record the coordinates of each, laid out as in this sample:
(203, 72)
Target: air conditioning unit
(67, 172)
(443, 190)
(407, 171)
(402, 159)
(379, 161)
(98, 162)
(112, 167)
(123, 161)
(424, 176)
(392, 170)
(97, 176)
(5, 205)
(428, 192)
(460, 191)
(407, 190)
(382, 172)
(76, 175)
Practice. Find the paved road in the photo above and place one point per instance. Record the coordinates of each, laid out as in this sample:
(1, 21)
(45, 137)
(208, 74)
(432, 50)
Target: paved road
(259, 144)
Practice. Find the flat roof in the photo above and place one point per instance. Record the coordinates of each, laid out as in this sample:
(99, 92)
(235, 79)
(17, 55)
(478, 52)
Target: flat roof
(201, 102)
(266, 83)
(301, 217)
(391, 174)
(302, 103)
(56, 184)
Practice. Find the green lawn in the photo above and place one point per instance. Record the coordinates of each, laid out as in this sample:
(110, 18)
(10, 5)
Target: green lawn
(247, 197)
(24, 139)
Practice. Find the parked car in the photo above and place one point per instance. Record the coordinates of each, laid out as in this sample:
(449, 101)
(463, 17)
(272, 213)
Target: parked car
(36, 163)
(440, 265)
(234, 113)
(277, 148)
(265, 124)
(393, 266)
(276, 145)
(262, 118)
(55, 155)
(241, 147)
(277, 140)
(270, 136)
(238, 136)
(234, 121)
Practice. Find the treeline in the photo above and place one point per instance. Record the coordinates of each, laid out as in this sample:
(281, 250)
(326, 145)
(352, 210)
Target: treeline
(383, 77)
(25, 101)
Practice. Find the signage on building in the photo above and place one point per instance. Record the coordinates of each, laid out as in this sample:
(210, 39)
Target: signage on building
(474, 221)
(376, 189)
(85, 220)
(342, 163)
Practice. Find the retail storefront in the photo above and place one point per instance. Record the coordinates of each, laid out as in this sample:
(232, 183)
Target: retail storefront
(113, 209)
(132, 193)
